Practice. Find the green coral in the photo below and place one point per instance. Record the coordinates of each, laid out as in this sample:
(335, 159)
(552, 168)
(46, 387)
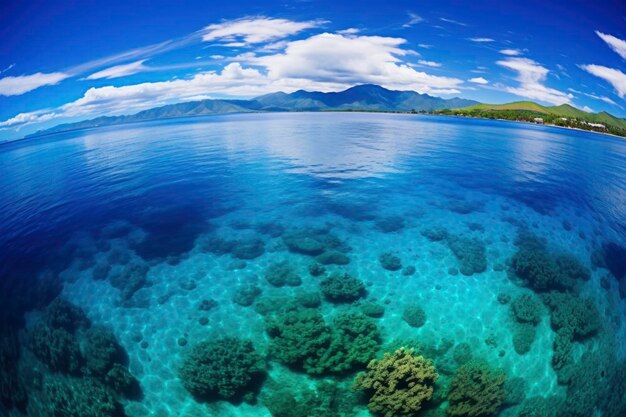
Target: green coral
(476, 390)
(302, 339)
(61, 314)
(526, 309)
(469, 252)
(222, 369)
(414, 315)
(573, 315)
(399, 384)
(57, 348)
(390, 262)
(72, 397)
(523, 337)
(339, 288)
(281, 273)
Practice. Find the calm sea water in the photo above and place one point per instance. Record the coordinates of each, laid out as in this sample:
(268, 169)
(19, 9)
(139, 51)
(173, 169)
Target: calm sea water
(153, 229)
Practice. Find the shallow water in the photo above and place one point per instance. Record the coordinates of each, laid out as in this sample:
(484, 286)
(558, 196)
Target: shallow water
(123, 222)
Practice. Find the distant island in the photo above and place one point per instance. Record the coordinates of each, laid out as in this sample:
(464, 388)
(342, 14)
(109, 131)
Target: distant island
(367, 97)
(528, 111)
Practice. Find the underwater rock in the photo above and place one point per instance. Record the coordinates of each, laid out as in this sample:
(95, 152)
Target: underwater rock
(308, 299)
(526, 309)
(281, 274)
(390, 224)
(504, 298)
(246, 294)
(248, 249)
(390, 262)
(434, 234)
(225, 368)
(523, 337)
(333, 258)
(102, 351)
(408, 270)
(130, 280)
(475, 227)
(476, 390)
(217, 245)
(462, 206)
(77, 397)
(61, 314)
(469, 252)
(372, 309)
(118, 256)
(342, 288)
(515, 391)
(271, 229)
(615, 258)
(303, 244)
(101, 271)
(573, 315)
(399, 384)
(462, 353)
(316, 269)
(414, 315)
(12, 392)
(58, 349)
(361, 211)
(207, 304)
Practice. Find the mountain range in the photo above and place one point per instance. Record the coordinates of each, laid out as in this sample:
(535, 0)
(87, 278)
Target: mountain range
(361, 97)
(366, 97)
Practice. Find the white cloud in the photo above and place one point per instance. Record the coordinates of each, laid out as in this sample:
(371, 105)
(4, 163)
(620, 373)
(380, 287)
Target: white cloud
(481, 40)
(424, 45)
(24, 119)
(587, 109)
(613, 76)
(15, 86)
(349, 31)
(413, 19)
(326, 60)
(616, 44)
(478, 80)
(531, 77)
(454, 22)
(255, 30)
(511, 52)
(119, 71)
(595, 96)
(429, 63)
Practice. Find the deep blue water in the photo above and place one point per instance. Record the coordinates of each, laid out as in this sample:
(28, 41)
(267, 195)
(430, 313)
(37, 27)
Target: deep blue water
(177, 181)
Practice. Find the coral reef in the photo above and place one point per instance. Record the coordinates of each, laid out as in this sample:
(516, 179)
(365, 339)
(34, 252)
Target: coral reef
(372, 309)
(435, 234)
(281, 274)
(390, 224)
(333, 257)
(476, 390)
(130, 280)
(399, 384)
(222, 369)
(245, 295)
(74, 397)
(572, 315)
(523, 337)
(342, 288)
(248, 249)
(469, 252)
(414, 315)
(526, 309)
(57, 348)
(390, 261)
(12, 392)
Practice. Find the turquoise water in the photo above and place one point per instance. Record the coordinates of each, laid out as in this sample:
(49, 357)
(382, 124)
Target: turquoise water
(490, 248)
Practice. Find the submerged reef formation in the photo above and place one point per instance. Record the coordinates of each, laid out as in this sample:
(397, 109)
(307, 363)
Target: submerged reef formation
(469, 252)
(342, 288)
(227, 368)
(542, 270)
(526, 311)
(282, 274)
(301, 339)
(390, 262)
(399, 384)
(414, 315)
(476, 390)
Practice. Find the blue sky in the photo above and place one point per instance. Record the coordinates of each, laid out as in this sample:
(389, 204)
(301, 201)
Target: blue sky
(63, 61)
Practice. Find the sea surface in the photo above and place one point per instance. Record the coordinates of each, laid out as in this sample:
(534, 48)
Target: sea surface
(490, 248)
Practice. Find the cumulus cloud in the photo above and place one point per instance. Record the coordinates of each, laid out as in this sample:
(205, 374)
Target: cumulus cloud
(429, 63)
(481, 40)
(531, 77)
(24, 119)
(616, 44)
(511, 52)
(119, 71)
(255, 30)
(413, 19)
(15, 86)
(613, 76)
(329, 59)
(478, 80)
